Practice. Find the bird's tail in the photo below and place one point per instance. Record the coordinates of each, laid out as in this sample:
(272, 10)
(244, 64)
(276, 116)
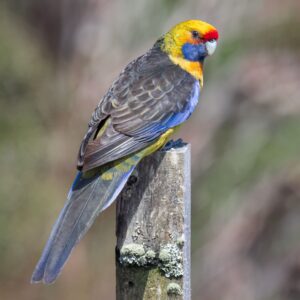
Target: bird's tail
(86, 199)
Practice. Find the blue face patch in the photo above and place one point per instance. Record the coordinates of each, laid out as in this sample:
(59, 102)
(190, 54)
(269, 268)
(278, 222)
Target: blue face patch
(194, 52)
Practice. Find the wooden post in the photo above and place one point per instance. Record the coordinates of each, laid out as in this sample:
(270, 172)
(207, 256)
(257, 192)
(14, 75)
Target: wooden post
(153, 229)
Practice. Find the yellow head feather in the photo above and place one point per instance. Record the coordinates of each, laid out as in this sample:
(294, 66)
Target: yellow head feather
(181, 34)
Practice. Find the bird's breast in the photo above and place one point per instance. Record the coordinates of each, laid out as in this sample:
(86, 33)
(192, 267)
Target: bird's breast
(195, 68)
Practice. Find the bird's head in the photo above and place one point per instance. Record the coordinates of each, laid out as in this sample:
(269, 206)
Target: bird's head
(192, 40)
(189, 42)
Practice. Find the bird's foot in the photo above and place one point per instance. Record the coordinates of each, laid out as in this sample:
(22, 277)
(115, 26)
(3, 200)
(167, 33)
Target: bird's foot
(173, 144)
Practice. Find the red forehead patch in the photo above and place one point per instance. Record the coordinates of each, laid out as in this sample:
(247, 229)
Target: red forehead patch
(211, 35)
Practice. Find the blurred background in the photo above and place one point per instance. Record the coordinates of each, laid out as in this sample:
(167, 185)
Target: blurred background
(57, 58)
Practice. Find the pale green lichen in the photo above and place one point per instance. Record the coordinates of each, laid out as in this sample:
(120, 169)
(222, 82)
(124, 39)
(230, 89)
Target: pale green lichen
(174, 289)
(170, 261)
(135, 255)
(132, 254)
(150, 256)
(180, 241)
(134, 249)
(164, 255)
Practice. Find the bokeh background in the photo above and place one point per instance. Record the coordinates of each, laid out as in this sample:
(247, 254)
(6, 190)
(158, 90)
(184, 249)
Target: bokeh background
(57, 58)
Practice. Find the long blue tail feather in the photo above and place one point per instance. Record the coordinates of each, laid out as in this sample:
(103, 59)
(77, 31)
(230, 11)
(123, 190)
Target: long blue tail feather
(86, 199)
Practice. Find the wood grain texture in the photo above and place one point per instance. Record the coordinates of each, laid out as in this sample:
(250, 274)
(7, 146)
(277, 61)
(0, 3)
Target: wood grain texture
(153, 228)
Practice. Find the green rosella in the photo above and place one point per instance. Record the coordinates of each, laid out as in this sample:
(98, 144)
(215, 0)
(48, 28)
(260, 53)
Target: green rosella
(152, 96)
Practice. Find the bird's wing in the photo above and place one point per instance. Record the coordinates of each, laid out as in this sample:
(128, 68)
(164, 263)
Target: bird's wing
(150, 96)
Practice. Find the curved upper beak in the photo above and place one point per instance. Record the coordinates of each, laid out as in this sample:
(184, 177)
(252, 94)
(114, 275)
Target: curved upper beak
(211, 46)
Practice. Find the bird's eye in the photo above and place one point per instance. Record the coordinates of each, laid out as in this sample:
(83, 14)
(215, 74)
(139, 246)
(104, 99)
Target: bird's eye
(195, 34)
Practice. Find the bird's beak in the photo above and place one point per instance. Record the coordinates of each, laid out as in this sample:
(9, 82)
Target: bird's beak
(211, 47)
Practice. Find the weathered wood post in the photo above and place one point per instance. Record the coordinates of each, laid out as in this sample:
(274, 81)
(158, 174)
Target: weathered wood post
(153, 229)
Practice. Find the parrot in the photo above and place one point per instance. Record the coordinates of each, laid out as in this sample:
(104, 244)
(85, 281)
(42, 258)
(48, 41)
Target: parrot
(150, 99)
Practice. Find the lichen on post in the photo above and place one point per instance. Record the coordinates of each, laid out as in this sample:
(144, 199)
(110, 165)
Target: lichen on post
(153, 228)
